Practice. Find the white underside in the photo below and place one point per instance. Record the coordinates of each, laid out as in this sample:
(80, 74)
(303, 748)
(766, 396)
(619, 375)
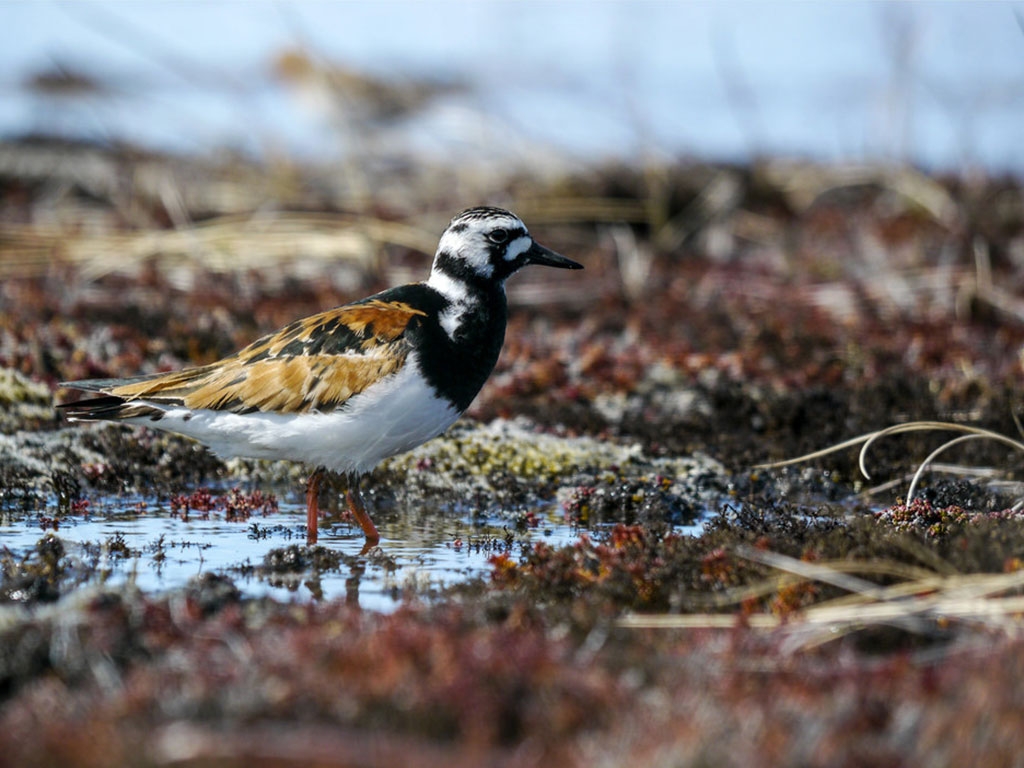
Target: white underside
(391, 417)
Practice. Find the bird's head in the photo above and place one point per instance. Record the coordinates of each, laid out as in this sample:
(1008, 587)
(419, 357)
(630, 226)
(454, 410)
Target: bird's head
(487, 245)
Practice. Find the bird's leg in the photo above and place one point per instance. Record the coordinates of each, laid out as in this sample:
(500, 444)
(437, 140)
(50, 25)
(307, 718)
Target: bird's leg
(313, 504)
(358, 510)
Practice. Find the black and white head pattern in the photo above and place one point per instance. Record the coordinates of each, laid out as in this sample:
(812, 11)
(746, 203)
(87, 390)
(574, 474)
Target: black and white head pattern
(478, 251)
(483, 245)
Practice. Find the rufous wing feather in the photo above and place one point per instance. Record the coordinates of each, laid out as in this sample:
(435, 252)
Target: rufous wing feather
(313, 364)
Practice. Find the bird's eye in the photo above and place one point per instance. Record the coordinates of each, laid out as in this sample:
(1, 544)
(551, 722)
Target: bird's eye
(498, 236)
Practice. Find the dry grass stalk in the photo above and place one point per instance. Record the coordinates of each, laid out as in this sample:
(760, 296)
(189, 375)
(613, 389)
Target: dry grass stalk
(223, 244)
(922, 603)
(867, 440)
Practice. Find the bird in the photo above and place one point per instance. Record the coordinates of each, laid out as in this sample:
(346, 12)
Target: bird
(344, 389)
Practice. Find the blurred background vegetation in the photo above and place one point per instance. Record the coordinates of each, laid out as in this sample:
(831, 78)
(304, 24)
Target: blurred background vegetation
(726, 171)
(525, 85)
(130, 116)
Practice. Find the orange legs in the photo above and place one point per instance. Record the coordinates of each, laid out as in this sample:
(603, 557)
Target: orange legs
(313, 504)
(355, 507)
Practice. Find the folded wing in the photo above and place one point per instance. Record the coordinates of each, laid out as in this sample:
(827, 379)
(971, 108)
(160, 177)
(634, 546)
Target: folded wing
(314, 364)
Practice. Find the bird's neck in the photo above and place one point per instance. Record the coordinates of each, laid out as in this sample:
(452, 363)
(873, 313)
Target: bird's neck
(469, 301)
(454, 288)
(460, 281)
(470, 328)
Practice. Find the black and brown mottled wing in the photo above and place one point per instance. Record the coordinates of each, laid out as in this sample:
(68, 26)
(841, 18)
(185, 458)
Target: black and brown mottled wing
(316, 363)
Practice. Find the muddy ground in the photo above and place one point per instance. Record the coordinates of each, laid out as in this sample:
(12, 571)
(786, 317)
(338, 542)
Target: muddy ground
(727, 317)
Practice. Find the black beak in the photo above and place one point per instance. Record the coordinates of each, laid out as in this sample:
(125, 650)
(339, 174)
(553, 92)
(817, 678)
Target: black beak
(538, 254)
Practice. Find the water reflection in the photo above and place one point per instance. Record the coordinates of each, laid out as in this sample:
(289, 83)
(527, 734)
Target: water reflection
(420, 551)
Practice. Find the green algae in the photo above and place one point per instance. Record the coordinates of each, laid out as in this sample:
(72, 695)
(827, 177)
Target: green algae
(17, 388)
(473, 454)
(24, 403)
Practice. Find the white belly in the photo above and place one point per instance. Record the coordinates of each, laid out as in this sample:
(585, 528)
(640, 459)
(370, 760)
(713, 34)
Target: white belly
(391, 417)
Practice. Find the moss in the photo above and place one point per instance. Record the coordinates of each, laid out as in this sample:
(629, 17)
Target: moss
(24, 403)
(38, 576)
(514, 461)
(16, 388)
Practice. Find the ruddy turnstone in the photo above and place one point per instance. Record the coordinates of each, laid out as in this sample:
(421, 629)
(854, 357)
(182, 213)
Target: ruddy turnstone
(346, 388)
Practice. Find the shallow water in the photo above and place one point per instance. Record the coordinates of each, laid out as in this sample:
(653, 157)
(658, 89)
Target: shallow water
(419, 551)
